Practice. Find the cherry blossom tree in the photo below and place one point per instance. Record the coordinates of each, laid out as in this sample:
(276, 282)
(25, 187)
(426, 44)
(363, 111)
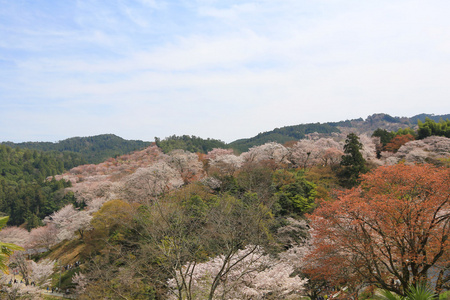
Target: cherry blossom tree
(211, 182)
(388, 158)
(431, 149)
(218, 152)
(32, 272)
(147, 183)
(68, 221)
(81, 282)
(96, 203)
(369, 147)
(324, 151)
(330, 151)
(41, 272)
(304, 154)
(85, 192)
(269, 151)
(19, 259)
(225, 164)
(254, 275)
(187, 164)
(15, 235)
(332, 156)
(44, 236)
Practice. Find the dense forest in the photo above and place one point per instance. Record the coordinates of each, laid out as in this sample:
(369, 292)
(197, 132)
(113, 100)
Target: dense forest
(25, 194)
(430, 127)
(422, 117)
(94, 149)
(189, 143)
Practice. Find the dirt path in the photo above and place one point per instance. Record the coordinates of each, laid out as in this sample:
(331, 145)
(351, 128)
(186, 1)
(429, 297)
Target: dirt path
(59, 295)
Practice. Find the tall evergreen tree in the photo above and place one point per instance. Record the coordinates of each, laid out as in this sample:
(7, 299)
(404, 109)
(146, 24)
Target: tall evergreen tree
(353, 163)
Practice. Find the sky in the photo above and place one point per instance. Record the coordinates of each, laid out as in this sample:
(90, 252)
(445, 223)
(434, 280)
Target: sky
(219, 69)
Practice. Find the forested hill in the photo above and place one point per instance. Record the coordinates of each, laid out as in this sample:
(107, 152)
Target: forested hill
(189, 143)
(94, 149)
(422, 117)
(283, 135)
(360, 126)
(25, 194)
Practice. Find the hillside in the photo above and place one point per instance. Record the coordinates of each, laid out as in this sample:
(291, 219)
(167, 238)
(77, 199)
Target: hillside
(25, 194)
(189, 143)
(94, 149)
(134, 223)
(359, 126)
(284, 134)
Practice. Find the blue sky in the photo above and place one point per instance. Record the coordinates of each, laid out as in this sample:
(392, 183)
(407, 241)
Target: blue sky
(220, 69)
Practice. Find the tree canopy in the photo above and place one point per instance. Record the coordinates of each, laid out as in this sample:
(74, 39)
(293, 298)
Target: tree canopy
(394, 227)
(189, 143)
(353, 163)
(92, 149)
(430, 127)
(25, 194)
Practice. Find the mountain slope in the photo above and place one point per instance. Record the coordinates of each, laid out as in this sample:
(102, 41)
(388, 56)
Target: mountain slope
(95, 149)
(360, 126)
(284, 134)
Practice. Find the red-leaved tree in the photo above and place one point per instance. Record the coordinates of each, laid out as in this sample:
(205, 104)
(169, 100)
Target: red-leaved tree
(391, 231)
(398, 141)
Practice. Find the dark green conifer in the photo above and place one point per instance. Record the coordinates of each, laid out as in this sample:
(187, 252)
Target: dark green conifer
(353, 163)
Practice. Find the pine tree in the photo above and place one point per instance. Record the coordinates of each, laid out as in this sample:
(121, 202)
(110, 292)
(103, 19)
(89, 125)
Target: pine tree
(352, 164)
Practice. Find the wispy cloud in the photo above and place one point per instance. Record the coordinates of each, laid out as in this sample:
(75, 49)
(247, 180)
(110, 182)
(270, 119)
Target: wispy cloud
(224, 69)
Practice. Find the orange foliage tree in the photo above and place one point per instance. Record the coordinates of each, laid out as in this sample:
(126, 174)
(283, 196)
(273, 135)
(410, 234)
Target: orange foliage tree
(391, 231)
(398, 141)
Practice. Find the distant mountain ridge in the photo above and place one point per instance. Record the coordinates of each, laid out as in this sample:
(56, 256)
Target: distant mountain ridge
(95, 149)
(359, 126)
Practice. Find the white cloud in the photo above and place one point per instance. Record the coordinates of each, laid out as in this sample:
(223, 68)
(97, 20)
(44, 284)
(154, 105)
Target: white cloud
(226, 69)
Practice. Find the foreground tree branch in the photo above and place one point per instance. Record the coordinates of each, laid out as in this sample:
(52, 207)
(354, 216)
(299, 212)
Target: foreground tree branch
(391, 230)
